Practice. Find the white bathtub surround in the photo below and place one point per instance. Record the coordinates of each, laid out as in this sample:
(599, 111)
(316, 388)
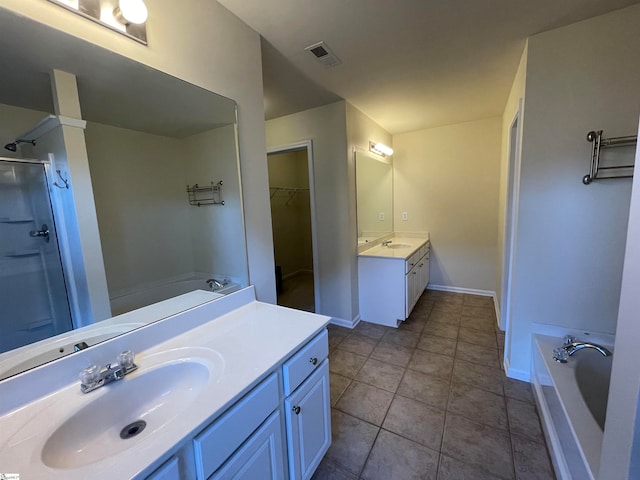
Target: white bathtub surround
(241, 339)
(566, 395)
(146, 294)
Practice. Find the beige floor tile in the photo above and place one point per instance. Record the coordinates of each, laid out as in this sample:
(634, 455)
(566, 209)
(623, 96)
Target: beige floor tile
(477, 444)
(414, 323)
(531, 460)
(352, 440)
(401, 337)
(370, 330)
(345, 363)
(441, 329)
(337, 385)
(479, 376)
(425, 388)
(452, 469)
(395, 457)
(436, 344)
(381, 375)
(366, 402)
(479, 312)
(359, 344)
(523, 420)
(478, 405)
(478, 337)
(444, 317)
(478, 301)
(477, 354)
(485, 324)
(431, 364)
(392, 353)
(519, 390)
(328, 470)
(416, 421)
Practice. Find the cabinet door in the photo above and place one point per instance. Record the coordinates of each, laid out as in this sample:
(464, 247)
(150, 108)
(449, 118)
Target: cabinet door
(261, 457)
(308, 418)
(168, 471)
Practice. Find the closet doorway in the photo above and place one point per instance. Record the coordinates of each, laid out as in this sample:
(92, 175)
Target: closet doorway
(293, 223)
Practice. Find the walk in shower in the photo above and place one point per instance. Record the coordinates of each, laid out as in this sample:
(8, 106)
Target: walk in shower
(32, 287)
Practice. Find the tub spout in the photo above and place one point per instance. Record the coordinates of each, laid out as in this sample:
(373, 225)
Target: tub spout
(563, 353)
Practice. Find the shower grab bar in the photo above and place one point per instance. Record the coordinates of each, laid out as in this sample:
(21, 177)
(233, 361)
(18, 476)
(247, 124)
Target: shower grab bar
(597, 144)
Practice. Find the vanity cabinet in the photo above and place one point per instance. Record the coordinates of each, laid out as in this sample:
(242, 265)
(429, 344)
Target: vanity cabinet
(282, 425)
(390, 286)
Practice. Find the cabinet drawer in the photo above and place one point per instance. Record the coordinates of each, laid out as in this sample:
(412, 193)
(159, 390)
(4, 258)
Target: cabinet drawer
(218, 441)
(412, 261)
(261, 457)
(308, 358)
(168, 471)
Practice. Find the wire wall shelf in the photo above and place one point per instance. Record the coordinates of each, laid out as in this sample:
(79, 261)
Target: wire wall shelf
(598, 172)
(205, 194)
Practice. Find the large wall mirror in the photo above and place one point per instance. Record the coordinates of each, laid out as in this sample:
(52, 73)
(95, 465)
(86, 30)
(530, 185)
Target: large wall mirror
(124, 216)
(374, 196)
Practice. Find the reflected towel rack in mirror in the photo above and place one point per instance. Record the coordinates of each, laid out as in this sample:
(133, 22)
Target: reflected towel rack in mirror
(615, 171)
(205, 195)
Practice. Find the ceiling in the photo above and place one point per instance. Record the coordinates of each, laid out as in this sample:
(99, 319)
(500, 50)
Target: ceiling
(407, 64)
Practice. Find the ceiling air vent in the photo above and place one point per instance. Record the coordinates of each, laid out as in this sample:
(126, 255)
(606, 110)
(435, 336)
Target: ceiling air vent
(323, 54)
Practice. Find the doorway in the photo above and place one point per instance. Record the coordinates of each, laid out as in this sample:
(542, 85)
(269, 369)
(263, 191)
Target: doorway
(511, 211)
(33, 293)
(293, 225)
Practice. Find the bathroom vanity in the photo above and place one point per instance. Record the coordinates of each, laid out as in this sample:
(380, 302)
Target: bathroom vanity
(391, 278)
(234, 388)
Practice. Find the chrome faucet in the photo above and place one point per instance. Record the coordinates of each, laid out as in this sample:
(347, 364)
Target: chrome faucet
(216, 284)
(386, 243)
(95, 377)
(571, 346)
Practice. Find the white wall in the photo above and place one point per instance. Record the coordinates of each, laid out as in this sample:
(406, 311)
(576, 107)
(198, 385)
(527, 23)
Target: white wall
(215, 229)
(230, 65)
(360, 130)
(141, 205)
(571, 237)
(326, 127)
(447, 180)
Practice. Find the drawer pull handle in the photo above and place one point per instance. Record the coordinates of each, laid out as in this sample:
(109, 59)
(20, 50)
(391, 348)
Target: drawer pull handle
(296, 410)
(313, 360)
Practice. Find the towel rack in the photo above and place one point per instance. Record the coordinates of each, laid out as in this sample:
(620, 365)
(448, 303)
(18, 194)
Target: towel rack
(205, 194)
(597, 144)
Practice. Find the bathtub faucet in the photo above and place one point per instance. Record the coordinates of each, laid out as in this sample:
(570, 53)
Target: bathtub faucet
(216, 284)
(571, 346)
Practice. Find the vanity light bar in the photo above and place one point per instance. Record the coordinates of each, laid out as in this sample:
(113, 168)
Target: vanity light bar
(380, 149)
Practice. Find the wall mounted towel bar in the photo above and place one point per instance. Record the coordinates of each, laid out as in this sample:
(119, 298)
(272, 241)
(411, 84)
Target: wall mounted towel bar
(597, 144)
(205, 194)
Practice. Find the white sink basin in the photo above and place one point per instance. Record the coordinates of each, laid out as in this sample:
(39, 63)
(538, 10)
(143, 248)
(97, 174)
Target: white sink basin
(157, 393)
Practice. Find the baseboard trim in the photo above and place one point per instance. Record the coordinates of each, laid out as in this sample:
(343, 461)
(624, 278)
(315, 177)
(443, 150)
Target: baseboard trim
(341, 322)
(470, 291)
(515, 373)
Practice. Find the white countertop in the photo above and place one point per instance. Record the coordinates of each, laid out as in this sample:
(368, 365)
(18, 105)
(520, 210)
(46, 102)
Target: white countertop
(248, 343)
(404, 252)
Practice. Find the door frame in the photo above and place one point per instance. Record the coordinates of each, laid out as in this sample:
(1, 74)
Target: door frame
(291, 147)
(511, 220)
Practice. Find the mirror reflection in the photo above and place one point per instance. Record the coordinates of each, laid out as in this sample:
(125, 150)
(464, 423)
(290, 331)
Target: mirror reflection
(96, 220)
(374, 196)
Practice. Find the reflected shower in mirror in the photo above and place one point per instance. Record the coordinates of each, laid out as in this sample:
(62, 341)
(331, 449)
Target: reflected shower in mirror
(374, 196)
(131, 243)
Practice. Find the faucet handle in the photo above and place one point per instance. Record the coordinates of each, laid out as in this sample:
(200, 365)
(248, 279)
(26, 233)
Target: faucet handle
(90, 375)
(560, 355)
(568, 340)
(125, 359)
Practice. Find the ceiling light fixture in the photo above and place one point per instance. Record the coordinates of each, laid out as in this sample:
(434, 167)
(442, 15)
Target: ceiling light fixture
(380, 149)
(131, 11)
(127, 17)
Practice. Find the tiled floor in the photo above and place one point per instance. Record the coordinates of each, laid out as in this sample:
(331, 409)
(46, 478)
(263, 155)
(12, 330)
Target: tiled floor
(429, 400)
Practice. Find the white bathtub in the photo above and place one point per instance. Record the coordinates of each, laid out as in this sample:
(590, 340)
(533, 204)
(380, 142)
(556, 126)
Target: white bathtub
(126, 301)
(572, 399)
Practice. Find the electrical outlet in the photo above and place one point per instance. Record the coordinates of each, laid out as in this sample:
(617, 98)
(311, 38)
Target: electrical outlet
(405, 216)
(381, 216)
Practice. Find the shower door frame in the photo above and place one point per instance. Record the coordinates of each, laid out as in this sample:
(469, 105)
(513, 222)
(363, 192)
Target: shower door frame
(308, 146)
(55, 215)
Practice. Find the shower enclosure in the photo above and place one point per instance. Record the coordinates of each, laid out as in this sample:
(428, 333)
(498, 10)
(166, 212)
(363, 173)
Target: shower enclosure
(33, 296)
